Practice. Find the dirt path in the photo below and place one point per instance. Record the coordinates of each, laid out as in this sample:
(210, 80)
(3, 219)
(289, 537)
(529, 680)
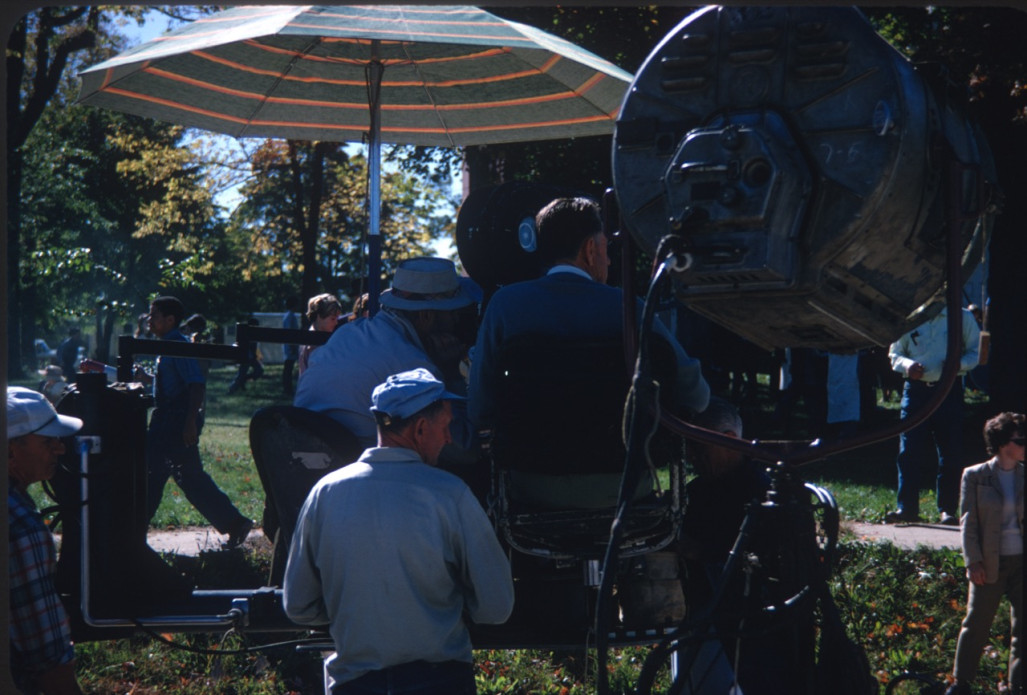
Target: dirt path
(192, 540)
(904, 535)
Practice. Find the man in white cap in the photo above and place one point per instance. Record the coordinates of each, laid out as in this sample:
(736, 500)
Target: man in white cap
(427, 320)
(392, 553)
(42, 656)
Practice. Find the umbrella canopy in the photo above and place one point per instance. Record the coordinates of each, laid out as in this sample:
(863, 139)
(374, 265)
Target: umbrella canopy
(418, 75)
(450, 76)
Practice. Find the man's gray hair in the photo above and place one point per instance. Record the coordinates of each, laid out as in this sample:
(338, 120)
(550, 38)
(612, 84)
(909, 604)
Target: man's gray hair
(720, 416)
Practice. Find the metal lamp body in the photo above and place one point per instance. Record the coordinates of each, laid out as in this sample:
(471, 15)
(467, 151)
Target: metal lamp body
(802, 158)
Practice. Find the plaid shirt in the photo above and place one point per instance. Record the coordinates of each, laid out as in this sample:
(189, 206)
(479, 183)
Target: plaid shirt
(39, 629)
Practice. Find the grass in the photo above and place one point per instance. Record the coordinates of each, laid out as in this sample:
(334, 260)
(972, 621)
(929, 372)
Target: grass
(903, 607)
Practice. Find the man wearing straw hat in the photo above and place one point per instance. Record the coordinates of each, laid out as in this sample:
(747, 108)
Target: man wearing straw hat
(427, 321)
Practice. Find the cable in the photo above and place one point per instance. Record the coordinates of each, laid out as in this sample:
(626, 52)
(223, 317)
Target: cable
(223, 652)
(637, 435)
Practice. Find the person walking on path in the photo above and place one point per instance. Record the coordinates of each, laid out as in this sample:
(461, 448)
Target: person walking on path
(172, 441)
(919, 356)
(395, 555)
(991, 499)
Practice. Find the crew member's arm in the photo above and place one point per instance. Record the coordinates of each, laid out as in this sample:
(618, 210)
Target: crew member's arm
(488, 585)
(481, 385)
(302, 594)
(901, 361)
(39, 632)
(971, 355)
(973, 554)
(191, 430)
(690, 388)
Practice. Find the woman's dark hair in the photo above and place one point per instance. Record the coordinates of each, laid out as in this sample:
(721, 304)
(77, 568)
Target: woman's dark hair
(322, 305)
(999, 430)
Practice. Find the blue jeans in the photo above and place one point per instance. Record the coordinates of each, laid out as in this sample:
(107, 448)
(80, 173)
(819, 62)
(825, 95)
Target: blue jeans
(414, 678)
(941, 432)
(167, 456)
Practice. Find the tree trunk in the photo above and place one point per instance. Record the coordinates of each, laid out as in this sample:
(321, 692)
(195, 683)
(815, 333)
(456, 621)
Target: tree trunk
(306, 224)
(313, 279)
(15, 368)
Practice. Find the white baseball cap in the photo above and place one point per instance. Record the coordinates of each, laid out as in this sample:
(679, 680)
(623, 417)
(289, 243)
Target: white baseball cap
(29, 412)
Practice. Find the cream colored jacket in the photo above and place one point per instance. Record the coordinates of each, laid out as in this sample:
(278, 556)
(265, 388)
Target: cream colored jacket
(980, 499)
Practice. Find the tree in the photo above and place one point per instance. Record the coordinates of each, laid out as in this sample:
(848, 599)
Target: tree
(304, 217)
(115, 210)
(38, 51)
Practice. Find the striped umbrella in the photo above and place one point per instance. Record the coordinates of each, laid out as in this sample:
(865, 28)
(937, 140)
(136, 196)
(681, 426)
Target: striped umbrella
(419, 75)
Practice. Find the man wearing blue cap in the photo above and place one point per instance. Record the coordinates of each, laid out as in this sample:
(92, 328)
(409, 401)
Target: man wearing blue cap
(42, 656)
(391, 552)
(427, 320)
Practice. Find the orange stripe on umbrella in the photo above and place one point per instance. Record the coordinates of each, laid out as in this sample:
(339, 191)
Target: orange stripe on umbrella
(523, 101)
(336, 126)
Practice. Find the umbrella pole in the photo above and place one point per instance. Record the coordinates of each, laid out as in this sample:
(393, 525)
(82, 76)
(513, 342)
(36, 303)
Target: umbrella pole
(374, 163)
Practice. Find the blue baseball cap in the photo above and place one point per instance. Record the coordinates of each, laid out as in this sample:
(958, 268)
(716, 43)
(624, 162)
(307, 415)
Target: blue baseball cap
(408, 393)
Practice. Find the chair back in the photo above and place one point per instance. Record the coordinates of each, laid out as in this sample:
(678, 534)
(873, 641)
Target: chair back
(293, 448)
(559, 405)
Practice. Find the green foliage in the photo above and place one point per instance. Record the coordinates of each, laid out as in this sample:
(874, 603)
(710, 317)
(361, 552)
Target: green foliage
(979, 50)
(112, 211)
(283, 243)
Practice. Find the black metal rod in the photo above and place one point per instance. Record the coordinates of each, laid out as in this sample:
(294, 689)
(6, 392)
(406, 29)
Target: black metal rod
(129, 347)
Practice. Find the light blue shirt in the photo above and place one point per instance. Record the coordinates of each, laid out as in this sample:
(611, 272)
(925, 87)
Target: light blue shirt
(360, 355)
(842, 387)
(928, 343)
(391, 553)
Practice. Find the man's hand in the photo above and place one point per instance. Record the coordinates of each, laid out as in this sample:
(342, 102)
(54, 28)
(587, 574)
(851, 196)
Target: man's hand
(189, 432)
(976, 573)
(141, 375)
(916, 372)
